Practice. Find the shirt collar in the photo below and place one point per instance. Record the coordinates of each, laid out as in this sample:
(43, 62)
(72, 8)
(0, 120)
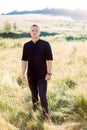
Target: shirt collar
(36, 41)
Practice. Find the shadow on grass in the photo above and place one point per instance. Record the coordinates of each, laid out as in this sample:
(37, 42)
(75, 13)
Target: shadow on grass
(24, 34)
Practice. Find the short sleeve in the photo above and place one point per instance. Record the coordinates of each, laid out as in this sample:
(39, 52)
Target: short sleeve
(24, 54)
(49, 55)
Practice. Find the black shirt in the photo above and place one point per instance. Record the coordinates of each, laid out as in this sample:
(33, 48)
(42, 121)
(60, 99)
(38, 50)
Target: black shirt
(36, 54)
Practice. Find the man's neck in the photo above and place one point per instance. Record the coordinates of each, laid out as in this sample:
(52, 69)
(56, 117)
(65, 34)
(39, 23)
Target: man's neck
(35, 39)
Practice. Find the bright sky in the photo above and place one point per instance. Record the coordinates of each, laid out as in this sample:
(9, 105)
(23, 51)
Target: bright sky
(10, 5)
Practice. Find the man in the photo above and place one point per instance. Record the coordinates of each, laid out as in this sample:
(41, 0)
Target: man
(39, 56)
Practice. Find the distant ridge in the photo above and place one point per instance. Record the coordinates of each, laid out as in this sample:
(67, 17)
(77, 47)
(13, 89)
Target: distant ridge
(74, 14)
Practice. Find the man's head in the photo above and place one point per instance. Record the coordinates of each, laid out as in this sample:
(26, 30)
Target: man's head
(35, 31)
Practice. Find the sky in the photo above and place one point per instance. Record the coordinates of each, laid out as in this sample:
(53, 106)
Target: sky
(10, 5)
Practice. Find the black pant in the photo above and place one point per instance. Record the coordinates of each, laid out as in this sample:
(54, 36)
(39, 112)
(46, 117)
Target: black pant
(39, 87)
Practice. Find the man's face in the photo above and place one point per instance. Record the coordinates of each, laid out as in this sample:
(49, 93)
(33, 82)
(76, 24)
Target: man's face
(35, 32)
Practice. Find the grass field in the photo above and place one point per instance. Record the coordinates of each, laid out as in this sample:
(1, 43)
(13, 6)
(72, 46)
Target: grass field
(67, 90)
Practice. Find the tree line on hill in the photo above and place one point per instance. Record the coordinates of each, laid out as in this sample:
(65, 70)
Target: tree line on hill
(74, 14)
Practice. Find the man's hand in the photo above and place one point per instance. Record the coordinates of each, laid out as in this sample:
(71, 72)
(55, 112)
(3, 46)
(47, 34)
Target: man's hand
(47, 77)
(24, 80)
(24, 66)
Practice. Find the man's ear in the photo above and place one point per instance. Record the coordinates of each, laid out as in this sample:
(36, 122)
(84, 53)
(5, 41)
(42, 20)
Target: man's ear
(40, 34)
(29, 34)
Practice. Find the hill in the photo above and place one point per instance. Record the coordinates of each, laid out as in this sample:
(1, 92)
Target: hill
(74, 14)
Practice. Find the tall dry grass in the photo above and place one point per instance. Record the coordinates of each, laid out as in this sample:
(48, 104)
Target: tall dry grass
(67, 95)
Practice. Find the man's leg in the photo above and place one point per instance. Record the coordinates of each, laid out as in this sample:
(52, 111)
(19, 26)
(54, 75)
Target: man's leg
(33, 87)
(42, 87)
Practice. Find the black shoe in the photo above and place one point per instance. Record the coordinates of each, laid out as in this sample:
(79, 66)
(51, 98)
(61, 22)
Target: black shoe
(47, 118)
(34, 108)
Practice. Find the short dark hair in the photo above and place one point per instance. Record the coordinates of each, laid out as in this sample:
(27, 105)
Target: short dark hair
(35, 25)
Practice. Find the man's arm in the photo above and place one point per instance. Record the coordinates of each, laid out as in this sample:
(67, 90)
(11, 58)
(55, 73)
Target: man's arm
(24, 66)
(49, 67)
